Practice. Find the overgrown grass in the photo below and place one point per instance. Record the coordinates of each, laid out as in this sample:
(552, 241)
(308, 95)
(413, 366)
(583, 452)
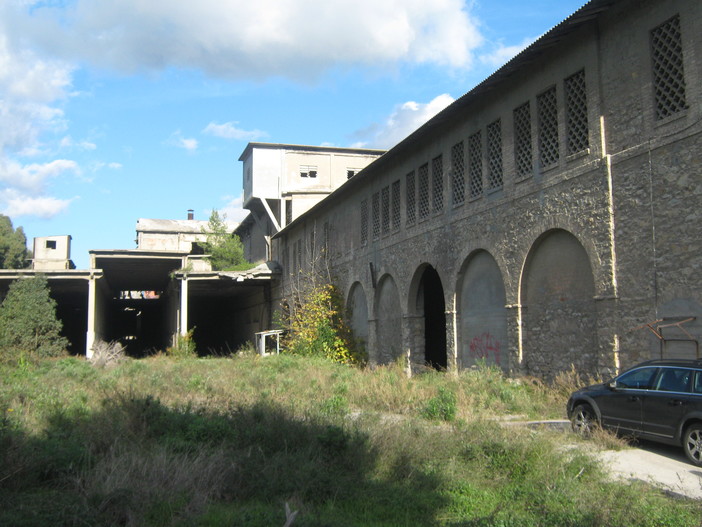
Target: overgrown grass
(212, 442)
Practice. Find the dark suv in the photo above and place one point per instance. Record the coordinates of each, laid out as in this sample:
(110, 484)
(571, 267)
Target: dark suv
(660, 400)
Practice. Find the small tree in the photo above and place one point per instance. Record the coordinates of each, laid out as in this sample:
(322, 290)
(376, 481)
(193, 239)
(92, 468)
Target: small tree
(28, 322)
(13, 245)
(225, 250)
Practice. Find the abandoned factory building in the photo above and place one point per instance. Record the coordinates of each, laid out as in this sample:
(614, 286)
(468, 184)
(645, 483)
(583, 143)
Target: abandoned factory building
(550, 217)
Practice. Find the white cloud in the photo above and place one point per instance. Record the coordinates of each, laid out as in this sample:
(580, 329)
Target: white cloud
(32, 177)
(503, 54)
(230, 131)
(177, 140)
(404, 120)
(15, 204)
(234, 210)
(240, 38)
(68, 142)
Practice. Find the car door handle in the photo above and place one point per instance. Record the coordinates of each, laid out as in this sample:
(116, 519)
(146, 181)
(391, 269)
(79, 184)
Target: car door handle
(634, 398)
(676, 402)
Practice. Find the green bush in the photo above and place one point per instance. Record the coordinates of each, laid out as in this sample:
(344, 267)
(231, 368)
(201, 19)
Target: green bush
(184, 347)
(28, 323)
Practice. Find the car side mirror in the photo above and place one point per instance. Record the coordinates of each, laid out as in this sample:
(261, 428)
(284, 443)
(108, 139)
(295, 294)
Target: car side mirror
(612, 385)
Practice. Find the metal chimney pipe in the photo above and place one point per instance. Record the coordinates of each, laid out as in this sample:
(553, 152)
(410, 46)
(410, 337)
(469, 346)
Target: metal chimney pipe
(191, 214)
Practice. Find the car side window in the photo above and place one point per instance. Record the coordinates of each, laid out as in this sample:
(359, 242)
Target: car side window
(697, 385)
(673, 380)
(639, 379)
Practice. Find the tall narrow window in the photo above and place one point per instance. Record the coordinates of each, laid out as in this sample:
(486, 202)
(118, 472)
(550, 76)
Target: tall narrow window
(668, 73)
(547, 114)
(299, 254)
(364, 221)
(385, 209)
(375, 206)
(325, 239)
(458, 174)
(475, 165)
(437, 183)
(423, 191)
(576, 113)
(411, 198)
(522, 141)
(494, 155)
(395, 202)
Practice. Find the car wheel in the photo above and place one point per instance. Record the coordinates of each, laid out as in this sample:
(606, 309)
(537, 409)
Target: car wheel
(583, 419)
(692, 443)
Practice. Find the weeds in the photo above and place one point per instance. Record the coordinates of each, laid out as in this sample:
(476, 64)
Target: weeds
(164, 442)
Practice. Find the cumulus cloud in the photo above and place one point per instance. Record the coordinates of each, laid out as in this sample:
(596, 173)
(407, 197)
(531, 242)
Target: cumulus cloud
(403, 120)
(177, 140)
(69, 142)
(502, 54)
(231, 131)
(240, 38)
(14, 204)
(233, 209)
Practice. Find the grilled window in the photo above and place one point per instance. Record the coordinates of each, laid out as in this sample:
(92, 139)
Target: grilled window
(437, 183)
(385, 210)
(458, 174)
(475, 165)
(522, 141)
(576, 113)
(411, 198)
(668, 73)
(423, 191)
(547, 113)
(364, 221)
(395, 202)
(494, 155)
(375, 205)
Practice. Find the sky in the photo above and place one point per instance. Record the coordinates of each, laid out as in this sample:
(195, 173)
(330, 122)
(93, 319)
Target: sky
(115, 110)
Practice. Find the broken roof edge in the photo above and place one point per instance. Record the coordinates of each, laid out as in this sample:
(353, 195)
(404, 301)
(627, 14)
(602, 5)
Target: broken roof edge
(263, 270)
(309, 148)
(583, 15)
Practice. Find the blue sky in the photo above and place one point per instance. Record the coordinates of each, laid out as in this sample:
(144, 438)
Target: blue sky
(114, 110)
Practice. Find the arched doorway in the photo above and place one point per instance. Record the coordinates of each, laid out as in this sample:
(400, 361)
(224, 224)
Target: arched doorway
(430, 302)
(482, 315)
(357, 312)
(389, 321)
(558, 307)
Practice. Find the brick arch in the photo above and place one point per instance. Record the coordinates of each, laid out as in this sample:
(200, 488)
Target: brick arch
(387, 311)
(426, 305)
(557, 306)
(357, 312)
(482, 315)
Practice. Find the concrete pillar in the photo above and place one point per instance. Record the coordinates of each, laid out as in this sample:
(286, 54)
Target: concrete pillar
(92, 306)
(413, 340)
(451, 341)
(372, 344)
(184, 306)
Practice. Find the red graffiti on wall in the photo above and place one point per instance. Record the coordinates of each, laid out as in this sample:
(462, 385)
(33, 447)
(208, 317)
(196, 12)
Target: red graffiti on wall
(485, 345)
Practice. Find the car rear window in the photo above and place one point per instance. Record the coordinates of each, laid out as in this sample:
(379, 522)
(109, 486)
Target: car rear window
(673, 380)
(697, 385)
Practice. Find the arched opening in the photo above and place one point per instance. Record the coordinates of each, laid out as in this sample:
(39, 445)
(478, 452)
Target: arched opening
(357, 313)
(482, 315)
(389, 321)
(430, 298)
(559, 315)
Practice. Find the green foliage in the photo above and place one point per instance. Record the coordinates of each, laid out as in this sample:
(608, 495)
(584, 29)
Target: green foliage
(13, 245)
(184, 347)
(442, 407)
(225, 250)
(316, 327)
(28, 323)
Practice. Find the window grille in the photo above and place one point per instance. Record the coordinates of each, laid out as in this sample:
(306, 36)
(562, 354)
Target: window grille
(576, 113)
(325, 239)
(668, 73)
(364, 221)
(376, 215)
(286, 260)
(437, 183)
(494, 155)
(395, 201)
(458, 174)
(547, 112)
(411, 198)
(385, 210)
(423, 191)
(475, 165)
(299, 254)
(308, 171)
(522, 141)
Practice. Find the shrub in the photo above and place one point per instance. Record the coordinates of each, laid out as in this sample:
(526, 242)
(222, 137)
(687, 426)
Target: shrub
(184, 347)
(107, 353)
(28, 323)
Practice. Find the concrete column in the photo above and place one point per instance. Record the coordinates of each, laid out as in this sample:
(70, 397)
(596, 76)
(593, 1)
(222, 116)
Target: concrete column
(184, 306)
(372, 344)
(90, 334)
(413, 340)
(451, 341)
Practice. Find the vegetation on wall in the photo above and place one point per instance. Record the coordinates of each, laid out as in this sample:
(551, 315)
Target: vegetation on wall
(28, 322)
(224, 249)
(13, 245)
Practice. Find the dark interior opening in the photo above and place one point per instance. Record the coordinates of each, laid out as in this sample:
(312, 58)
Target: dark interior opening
(434, 320)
